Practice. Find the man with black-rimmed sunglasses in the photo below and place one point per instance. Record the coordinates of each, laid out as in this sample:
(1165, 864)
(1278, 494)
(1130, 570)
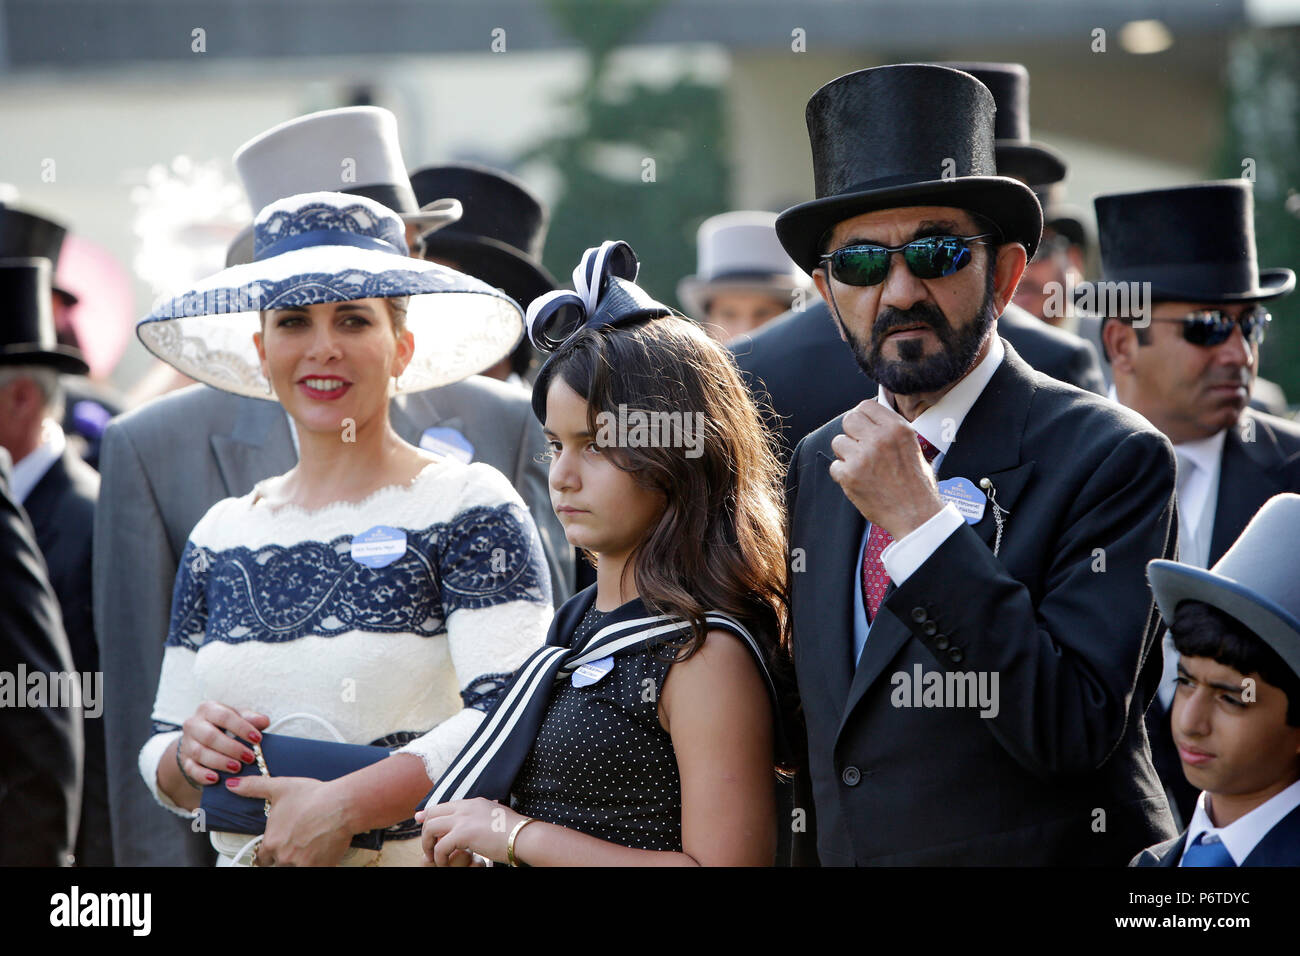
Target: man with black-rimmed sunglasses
(976, 526)
(1187, 361)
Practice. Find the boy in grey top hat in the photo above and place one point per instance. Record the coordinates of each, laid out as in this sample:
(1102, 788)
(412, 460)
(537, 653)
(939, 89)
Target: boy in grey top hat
(1236, 711)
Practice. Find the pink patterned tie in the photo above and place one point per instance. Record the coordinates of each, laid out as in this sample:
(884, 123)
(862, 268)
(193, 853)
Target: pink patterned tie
(875, 582)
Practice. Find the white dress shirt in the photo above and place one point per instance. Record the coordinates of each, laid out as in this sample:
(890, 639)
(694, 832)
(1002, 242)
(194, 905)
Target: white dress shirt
(1198, 495)
(938, 424)
(29, 472)
(1241, 836)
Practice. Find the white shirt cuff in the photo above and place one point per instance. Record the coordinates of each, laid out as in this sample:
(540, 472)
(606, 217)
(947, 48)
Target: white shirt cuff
(901, 558)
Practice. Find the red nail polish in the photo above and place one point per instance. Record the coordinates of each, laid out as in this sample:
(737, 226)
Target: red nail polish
(255, 737)
(248, 757)
(234, 767)
(232, 783)
(212, 777)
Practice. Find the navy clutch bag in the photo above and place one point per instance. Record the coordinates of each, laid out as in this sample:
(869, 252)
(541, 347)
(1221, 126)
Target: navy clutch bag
(225, 810)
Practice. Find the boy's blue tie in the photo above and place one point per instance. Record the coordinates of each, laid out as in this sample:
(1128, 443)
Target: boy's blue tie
(1207, 854)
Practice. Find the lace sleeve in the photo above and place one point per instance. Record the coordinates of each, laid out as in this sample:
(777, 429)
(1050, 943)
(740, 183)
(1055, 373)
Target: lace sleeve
(497, 599)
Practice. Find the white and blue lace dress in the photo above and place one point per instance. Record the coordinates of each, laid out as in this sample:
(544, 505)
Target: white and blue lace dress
(271, 613)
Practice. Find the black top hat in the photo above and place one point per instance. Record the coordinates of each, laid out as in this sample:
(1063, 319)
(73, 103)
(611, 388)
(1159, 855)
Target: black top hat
(501, 230)
(1017, 155)
(1192, 243)
(27, 235)
(1063, 218)
(908, 135)
(26, 323)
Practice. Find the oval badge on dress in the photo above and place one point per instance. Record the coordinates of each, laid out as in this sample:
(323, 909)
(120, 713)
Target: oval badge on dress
(590, 673)
(379, 547)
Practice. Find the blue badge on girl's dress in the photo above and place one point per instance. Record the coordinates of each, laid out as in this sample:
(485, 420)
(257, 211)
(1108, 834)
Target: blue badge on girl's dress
(962, 493)
(449, 442)
(590, 673)
(379, 547)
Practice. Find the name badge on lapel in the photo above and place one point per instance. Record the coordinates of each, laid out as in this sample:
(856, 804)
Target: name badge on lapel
(379, 547)
(962, 494)
(448, 442)
(589, 674)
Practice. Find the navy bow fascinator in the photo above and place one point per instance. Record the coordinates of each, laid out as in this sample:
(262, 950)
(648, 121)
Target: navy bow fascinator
(606, 295)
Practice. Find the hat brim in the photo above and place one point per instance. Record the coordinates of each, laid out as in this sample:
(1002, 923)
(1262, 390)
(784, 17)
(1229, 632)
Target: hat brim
(694, 293)
(1036, 164)
(1173, 582)
(497, 263)
(1068, 221)
(433, 216)
(1007, 202)
(1273, 284)
(461, 326)
(61, 358)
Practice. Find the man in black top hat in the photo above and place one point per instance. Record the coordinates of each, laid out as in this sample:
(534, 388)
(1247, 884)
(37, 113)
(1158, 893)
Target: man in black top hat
(58, 490)
(1187, 362)
(498, 238)
(780, 360)
(973, 647)
(89, 405)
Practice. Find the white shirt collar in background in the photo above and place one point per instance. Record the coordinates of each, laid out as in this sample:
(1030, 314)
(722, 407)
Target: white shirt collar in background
(29, 472)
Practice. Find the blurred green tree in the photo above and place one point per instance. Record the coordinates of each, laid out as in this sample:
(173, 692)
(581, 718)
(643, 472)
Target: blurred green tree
(641, 162)
(1262, 141)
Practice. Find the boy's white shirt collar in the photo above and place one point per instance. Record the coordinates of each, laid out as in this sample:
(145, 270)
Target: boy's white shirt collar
(956, 403)
(1242, 835)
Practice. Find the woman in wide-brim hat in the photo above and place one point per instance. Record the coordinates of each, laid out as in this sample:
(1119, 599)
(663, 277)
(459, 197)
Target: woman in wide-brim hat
(375, 593)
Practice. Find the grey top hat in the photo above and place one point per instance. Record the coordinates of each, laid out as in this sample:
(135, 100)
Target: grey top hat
(1256, 582)
(354, 150)
(738, 251)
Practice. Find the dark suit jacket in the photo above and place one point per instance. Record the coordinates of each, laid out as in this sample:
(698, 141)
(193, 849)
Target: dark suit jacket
(800, 364)
(1061, 775)
(1261, 458)
(40, 747)
(1279, 847)
(62, 509)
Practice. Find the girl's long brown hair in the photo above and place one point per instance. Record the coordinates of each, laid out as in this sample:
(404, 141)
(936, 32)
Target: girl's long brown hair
(720, 543)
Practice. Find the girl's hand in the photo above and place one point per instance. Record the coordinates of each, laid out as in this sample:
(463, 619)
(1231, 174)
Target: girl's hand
(204, 746)
(457, 829)
(306, 826)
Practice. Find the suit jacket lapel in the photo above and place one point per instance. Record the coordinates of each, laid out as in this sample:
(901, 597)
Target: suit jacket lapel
(986, 446)
(1249, 474)
(833, 539)
(411, 426)
(258, 447)
(1280, 846)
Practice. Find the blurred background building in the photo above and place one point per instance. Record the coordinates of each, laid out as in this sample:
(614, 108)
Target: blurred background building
(635, 119)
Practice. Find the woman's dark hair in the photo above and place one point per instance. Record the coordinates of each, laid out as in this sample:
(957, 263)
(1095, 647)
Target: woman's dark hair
(719, 544)
(1201, 630)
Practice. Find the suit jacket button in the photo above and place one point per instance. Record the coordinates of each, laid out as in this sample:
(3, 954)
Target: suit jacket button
(930, 627)
(851, 776)
(941, 642)
(918, 615)
(955, 655)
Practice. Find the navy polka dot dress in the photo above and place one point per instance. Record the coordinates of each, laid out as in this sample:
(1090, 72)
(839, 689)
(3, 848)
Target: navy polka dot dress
(601, 763)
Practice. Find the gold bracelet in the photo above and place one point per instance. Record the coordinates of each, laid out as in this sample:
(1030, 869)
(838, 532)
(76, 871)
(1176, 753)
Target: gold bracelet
(510, 843)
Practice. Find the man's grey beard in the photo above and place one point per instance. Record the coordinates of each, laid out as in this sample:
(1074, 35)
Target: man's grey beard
(914, 372)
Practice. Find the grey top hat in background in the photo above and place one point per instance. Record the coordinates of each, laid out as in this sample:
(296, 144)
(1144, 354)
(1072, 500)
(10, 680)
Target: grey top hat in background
(738, 251)
(913, 134)
(27, 334)
(1193, 243)
(1256, 581)
(353, 149)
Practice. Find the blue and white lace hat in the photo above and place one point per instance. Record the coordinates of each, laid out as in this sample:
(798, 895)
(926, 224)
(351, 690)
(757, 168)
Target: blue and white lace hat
(323, 247)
